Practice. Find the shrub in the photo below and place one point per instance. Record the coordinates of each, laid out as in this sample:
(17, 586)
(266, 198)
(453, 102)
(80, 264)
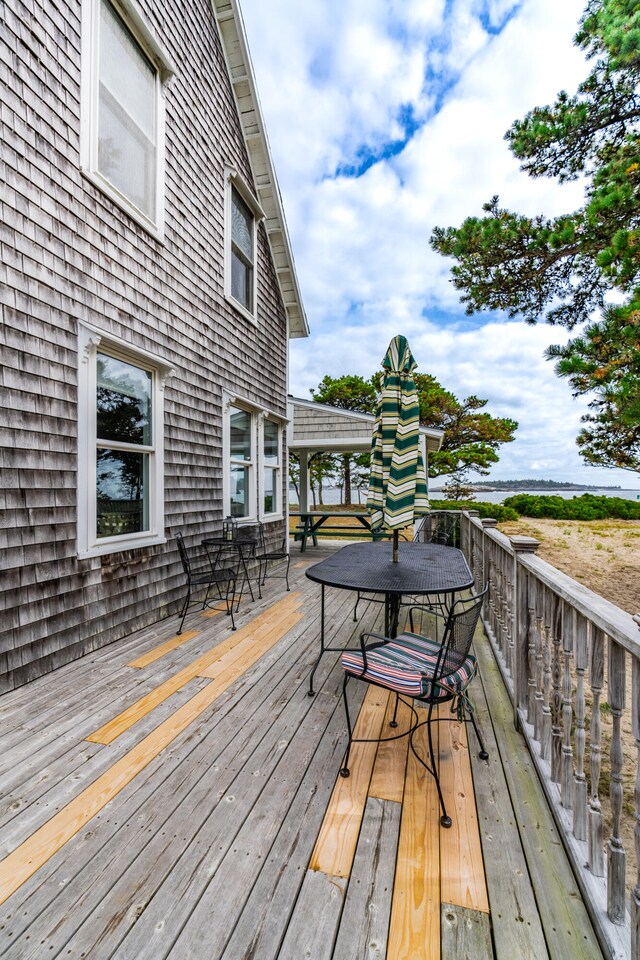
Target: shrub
(498, 511)
(587, 507)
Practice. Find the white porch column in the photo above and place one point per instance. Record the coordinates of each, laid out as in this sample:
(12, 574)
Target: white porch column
(304, 480)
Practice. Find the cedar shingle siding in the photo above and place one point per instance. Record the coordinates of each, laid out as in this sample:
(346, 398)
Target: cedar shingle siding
(70, 254)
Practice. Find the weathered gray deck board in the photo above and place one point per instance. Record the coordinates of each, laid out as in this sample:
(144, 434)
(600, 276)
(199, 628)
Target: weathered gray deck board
(204, 854)
(517, 928)
(466, 935)
(205, 819)
(147, 787)
(567, 928)
(364, 924)
(318, 908)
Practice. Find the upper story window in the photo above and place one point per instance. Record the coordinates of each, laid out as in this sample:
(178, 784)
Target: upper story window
(124, 70)
(120, 446)
(243, 215)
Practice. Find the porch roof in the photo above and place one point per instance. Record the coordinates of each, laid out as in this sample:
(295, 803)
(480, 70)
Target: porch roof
(316, 426)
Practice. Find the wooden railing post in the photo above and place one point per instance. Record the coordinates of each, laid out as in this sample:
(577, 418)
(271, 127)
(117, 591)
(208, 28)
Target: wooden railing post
(556, 686)
(566, 766)
(596, 677)
(522, 630)
(580, 780)
(489, 576)
(545, 736)
(616, 856)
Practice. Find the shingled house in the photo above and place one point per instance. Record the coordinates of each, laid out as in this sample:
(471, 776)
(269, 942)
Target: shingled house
(148, 293)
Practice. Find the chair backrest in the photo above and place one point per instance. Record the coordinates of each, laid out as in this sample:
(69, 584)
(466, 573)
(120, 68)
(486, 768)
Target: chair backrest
(458, 633)
(440, 527)
(249, 533)
(184, 556)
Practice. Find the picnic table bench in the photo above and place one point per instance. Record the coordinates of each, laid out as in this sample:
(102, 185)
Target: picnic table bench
(312, 521)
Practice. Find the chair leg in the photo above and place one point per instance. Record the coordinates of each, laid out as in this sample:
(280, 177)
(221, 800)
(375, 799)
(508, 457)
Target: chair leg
(185, 607)
(483, 753)
(286, 573)
(445, 819)
(344, 770)
(231, 587)
(394, 722)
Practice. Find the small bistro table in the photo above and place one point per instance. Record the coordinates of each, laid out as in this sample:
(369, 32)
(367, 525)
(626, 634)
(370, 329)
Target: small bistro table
(245, 550)
(423, 569)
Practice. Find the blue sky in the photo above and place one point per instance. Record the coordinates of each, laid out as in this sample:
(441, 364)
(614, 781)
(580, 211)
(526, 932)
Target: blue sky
(385, 119)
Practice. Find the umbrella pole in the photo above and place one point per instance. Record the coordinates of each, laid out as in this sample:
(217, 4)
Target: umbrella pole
(395, 546)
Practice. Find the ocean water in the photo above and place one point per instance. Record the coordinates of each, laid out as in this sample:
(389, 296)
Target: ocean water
(331, 495)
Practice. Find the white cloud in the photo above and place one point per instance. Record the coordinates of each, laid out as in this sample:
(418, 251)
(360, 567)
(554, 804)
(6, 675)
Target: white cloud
(334, 81)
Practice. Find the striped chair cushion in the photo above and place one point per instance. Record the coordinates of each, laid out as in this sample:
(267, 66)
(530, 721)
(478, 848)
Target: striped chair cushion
(406, 665)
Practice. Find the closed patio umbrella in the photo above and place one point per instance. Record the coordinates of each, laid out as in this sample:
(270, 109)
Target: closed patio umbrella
(397, 482)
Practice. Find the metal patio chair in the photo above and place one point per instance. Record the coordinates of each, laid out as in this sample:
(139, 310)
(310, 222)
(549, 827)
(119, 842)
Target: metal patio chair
(266, 554)
(439, 527)
(420, 668)
(209, 572)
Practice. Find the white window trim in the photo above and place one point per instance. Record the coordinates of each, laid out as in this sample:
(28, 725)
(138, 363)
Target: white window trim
(233, 179)
(165, 68)
(281, 423)
(89, 545)
(238, 403)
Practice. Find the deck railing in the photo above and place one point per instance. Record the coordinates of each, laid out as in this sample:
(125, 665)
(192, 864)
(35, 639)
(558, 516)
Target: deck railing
(564, 653)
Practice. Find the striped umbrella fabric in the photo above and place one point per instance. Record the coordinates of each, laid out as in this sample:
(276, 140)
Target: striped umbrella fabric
(397, 482)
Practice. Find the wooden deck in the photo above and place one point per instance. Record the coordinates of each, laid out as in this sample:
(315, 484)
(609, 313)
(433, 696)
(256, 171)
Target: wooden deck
(179, 797)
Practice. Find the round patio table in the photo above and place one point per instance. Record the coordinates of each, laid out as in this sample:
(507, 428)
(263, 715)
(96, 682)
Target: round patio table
(422, 569)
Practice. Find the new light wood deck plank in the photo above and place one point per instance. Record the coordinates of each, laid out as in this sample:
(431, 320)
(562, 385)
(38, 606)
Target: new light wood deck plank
(250, 632)
(335, 849)
(387, 781)
(462, 879)
(364, 924)
(415, 913)
(71, 765)
(172, 644)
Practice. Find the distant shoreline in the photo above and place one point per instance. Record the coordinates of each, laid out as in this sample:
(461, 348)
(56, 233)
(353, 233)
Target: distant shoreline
(517, 486)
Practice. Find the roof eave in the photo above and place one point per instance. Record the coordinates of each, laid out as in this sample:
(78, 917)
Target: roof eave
(238, 59)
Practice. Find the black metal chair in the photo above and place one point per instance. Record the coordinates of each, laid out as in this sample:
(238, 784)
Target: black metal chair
(248, 539)
(266, 554)
(428, 671)
(441, 526)
(210, 572)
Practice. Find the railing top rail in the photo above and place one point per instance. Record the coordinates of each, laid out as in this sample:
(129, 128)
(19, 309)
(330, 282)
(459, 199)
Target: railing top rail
(616, 623)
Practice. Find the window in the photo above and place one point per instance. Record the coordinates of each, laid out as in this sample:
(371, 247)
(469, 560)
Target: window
(271, 459)
(242, 229)
(243, 215)
(120, 446)
(123, 108)
(241, 463)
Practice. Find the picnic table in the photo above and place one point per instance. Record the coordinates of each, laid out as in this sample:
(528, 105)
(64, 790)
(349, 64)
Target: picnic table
(314, 520)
